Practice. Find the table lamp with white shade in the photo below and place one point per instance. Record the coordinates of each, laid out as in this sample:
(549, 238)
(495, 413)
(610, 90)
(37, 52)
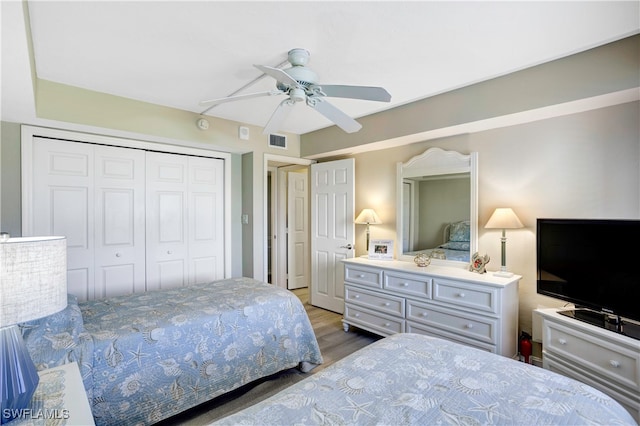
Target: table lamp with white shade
(503, 218)
(368, 217)
(33, 284)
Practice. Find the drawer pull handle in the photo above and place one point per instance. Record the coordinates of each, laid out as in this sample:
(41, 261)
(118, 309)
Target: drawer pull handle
(360, 275)
(405, 284)
(118, 255)
(460, 294)
(386, 304)
(470, 325)
(562, 341)
(357, 296)
(386, 324)
(614, 363)
(424, 314)
(357, 315)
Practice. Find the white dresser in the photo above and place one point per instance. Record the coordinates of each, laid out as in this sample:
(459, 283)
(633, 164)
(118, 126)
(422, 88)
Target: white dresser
(387, 297)
(606, 360)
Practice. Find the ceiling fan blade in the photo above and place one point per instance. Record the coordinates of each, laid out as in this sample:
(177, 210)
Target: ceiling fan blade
(368, 93)
(278, 116)
(279, 75)
(241, 97)
(338, 117)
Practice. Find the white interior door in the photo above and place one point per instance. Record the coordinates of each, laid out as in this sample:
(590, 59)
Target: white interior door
(119, 221)
(206, 219)
(332, 230)
(167, 240)
(298, 230)
(63, 199)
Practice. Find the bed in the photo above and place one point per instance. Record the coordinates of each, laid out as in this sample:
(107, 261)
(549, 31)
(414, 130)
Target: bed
(148, 356)
(456, 243)
(415, 379)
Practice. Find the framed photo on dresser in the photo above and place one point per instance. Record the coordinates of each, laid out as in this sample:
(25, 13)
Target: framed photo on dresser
(381, 249)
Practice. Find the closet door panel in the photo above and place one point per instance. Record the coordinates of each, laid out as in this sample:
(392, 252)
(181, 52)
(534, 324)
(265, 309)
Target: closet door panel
(63, 200)
(166, 225)
(206, 219)
(120, 221)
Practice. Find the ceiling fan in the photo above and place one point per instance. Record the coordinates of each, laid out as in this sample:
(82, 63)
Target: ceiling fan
(301, 84)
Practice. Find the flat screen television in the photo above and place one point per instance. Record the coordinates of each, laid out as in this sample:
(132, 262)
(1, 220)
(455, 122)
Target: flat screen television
(592, 263)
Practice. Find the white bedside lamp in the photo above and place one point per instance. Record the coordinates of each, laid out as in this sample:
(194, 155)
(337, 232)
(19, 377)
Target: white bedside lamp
(368, 217)
(503, 218)
(33, 284)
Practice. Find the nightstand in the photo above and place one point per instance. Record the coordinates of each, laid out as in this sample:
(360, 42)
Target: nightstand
(59, 399)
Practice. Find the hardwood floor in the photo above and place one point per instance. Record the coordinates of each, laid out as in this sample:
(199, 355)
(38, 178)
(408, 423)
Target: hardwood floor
(334, 344)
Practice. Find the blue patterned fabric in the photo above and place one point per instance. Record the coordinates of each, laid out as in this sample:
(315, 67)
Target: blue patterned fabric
(156, 354)
(60, 339)
(411, 379)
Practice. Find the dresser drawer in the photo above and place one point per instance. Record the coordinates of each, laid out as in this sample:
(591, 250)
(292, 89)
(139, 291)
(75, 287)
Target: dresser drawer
(613, 360)
(380, 302)
(474, 296)
(363, 276)
(412, 285)
(471, 326)
(379, 323)
(414, 327)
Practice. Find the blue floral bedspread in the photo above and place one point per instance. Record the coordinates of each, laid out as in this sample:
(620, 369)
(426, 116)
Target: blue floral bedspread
(148, 356)
(411, 379)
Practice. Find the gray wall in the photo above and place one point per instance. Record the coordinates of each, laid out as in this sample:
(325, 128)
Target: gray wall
(10, 217)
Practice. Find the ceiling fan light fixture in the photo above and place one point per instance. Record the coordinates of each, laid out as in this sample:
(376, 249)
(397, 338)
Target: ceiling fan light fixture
(297, 95)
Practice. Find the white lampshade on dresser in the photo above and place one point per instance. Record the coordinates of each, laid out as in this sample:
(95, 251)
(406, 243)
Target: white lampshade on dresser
(503, 218)
(33, 284)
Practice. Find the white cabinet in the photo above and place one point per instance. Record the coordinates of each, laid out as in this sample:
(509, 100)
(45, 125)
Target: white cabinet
(601, 358)
(387, 297)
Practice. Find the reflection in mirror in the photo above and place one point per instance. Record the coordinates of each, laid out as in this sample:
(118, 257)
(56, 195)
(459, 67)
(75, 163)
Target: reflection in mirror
(437, 206)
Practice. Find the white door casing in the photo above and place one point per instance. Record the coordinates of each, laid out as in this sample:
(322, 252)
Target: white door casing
(332, 230)
(298, 230)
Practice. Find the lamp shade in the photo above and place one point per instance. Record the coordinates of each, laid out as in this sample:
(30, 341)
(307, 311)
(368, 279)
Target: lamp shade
(504, 218)
(368, 217)
(33, 278)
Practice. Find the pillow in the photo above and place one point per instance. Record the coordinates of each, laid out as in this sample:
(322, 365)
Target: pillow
(460, 231)
(457, 245)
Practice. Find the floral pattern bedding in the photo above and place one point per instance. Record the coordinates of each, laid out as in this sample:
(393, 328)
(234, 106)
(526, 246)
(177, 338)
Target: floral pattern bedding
(148, 356)
(415, 379)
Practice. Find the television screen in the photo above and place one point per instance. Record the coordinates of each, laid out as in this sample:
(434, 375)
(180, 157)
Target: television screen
(591, 263)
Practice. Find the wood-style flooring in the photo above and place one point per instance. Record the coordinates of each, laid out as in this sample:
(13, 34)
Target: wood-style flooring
(334, 344)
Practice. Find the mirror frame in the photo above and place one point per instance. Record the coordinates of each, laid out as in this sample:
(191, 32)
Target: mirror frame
(433, 162)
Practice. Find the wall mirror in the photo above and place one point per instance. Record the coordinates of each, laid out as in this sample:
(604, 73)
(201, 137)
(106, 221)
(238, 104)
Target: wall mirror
(437, 210)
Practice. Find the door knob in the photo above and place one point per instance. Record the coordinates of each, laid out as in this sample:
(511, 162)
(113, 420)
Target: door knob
(348, 247)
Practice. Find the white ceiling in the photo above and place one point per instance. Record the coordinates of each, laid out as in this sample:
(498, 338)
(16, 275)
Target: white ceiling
(177, 53)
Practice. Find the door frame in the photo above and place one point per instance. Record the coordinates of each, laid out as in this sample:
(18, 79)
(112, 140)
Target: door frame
(274, 160)
(28, 133)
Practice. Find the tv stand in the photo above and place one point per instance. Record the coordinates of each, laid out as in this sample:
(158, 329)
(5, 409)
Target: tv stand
(610, 322)
(593, 353)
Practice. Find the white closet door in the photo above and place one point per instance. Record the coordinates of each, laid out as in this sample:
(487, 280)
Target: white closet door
(63, 201)
(206, 219)
(185, 220)
(167, 245)
(119, 221)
